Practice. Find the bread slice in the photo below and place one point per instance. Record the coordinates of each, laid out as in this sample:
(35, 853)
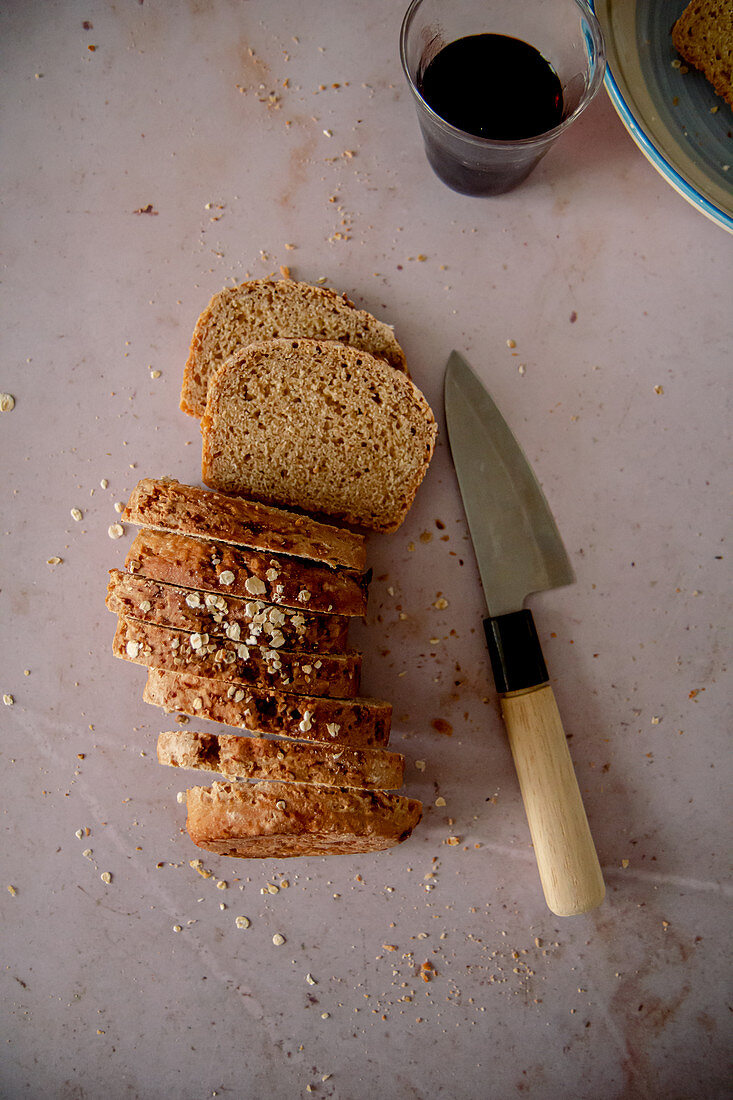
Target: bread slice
(330, 674)
(236, 571)
(264, 308)
(309, 424)
(168, 505)
(250, 621)
(358, 722)
(703, 36)
(278, 820)
(239, 757)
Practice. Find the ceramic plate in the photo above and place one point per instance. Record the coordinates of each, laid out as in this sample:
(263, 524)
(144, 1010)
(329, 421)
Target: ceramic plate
(679, 123)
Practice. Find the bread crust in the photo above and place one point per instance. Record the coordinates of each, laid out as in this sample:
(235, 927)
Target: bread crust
(169, 505)
(358, 722)
(250, 621)
(333, 675)
(315, 425)
(236, 571)
(237, 757)
(261, 309)
(279, 820)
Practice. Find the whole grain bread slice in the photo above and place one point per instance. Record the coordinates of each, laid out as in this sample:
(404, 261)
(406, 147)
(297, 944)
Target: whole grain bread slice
(278, 820)
(333, 675)
(237, 757)
(261, 309)
(169, 505)
(310, 424)
(250, 621)
(703, 36)
(358, 722)
(236, 571)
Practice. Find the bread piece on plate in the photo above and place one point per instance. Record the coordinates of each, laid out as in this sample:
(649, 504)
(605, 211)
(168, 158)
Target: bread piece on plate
(264, 308)
(278, 820)
(236, 571)
(703, 37)
(250, 621)
(330, 674)
(168, 505)
(309, 424)
(238, 757)
(358, 722)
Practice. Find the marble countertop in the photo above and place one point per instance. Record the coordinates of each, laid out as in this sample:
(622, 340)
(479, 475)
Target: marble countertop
(154, 153)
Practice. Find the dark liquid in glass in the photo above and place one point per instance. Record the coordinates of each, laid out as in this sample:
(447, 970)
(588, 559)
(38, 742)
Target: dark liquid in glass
(492, 86)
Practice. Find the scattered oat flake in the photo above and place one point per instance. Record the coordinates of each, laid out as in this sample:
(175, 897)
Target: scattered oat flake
(77, 514)
(310, 979)
(115, 530)
(53, 561)
(7, 402)
(440, 801)
(8, 700)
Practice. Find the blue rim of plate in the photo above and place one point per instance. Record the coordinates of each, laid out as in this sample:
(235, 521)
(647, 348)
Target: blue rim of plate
(657, 159)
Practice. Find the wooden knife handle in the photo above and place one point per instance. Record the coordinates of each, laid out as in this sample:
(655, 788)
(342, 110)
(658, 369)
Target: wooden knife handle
(566, 856)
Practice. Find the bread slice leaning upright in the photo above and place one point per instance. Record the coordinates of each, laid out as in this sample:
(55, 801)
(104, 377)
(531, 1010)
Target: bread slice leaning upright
(318, 426)
(277, 820)
(237, 757)
(168, 505)
(262, 309)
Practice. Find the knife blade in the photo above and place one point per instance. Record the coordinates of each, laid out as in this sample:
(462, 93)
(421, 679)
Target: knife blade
(519, 551)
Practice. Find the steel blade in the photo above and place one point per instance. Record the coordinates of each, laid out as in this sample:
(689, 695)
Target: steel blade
(517, 544)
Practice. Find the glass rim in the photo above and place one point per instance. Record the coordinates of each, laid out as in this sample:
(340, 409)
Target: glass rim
(537, 139)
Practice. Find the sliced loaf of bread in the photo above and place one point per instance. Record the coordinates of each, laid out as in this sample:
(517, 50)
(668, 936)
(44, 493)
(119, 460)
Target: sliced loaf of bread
(359, 722)
(278, 820)
(168, 505)
(236, 571)
(237, 757)
(265, 308)
(310, 424)
(333, 675)
(250, 621)
(703, 36)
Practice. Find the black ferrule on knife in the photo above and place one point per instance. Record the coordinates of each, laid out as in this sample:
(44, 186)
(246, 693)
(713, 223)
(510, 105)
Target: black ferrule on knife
(515, 652)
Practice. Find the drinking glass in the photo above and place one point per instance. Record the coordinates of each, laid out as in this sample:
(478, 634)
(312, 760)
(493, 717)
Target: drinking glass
(567, 35)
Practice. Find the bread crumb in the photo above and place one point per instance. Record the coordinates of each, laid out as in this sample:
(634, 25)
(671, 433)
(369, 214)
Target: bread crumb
(12, 890)
(106, 877)
(7, 402)
(278, 939)
(8, 700)
(242, 922)
(115, 530)
(77, 514)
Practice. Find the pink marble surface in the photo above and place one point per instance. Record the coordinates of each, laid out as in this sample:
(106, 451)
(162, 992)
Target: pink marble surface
(225, 121)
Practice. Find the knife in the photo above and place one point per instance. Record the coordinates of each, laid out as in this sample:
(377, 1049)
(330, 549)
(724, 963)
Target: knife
(519, 551)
